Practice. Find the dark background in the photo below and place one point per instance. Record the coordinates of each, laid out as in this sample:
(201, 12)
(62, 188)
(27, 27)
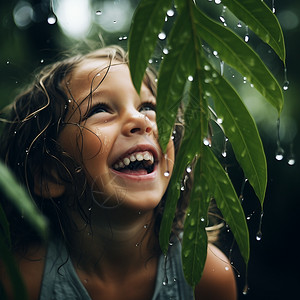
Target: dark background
(28, 41)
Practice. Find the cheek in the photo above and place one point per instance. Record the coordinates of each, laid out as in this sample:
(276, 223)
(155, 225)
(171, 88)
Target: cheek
(82, 144)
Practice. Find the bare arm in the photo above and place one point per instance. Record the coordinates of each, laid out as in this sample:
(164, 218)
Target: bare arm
(218, 279)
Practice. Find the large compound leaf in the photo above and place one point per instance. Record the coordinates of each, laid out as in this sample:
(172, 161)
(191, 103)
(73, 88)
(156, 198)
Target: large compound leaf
(235, 52)
(258, 16)
(174, 71)
(228, 202)
(21, 200)
(194, 244)
(240, 129)
(147, 23)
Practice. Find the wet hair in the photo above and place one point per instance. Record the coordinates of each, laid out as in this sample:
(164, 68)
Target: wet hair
(30, 148)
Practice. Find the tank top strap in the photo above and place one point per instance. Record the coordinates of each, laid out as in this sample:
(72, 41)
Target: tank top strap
(170, 281)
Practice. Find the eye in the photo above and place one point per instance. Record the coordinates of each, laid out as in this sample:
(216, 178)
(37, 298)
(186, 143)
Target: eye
(148, 106)
(98, 108)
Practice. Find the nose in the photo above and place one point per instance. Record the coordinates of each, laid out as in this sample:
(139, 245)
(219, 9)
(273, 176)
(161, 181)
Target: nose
(137, 123)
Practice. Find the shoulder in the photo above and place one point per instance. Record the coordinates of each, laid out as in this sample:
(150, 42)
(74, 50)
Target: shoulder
(218, 279)
(31, 267)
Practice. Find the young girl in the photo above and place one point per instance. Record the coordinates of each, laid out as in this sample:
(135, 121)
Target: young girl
(85, 144)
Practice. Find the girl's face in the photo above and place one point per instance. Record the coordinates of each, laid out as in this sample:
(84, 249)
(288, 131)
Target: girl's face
(112, 132)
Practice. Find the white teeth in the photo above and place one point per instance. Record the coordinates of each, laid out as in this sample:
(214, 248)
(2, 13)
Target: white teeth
(132, 158)
(139, 156)
(126, 161)
(147, 156)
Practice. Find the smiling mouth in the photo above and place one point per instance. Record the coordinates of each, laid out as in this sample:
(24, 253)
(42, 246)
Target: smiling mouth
(139, 163)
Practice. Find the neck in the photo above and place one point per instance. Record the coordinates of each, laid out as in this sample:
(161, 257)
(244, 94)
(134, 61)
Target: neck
(113, 241)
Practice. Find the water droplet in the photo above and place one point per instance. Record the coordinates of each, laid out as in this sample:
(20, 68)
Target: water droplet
(226, 268)
(259, 232)
(218, 1)
(69, 100)
(182, 188)
(279, 153)
(244, 79)
(207, 142)
(258, 235)
(286, 85)
(246, 38)
(162, 36)
(170, 13)
(165, 51)
(42, 61)
(246, 289)
(167, 174)
(146, 226)
(98, 12)
(90, 208)
(114, 21)
(224, 153)
(273, 7)
(291, 161)
(202, 219)
(190, 78)
(215, 53)
(139, 212)
(221, 67)
(137, 244)
(239, 24)
(8, 62)
(219, 120)
(189, 169)
(51, 19)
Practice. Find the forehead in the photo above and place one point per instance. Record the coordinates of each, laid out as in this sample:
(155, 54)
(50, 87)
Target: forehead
(93, 75)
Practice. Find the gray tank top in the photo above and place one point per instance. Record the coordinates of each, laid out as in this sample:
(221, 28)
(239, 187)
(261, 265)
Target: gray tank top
(60, 280)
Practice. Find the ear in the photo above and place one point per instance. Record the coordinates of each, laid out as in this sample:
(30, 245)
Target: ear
(48, 187)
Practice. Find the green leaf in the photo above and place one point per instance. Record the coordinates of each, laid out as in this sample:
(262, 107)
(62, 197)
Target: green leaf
(227, 201)
(235, 52)
(147, 23)
(189, 149)
(194, 244)
(240, 129)
(173, 73)
(21, 200)
(18, 286)
(258, 16)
